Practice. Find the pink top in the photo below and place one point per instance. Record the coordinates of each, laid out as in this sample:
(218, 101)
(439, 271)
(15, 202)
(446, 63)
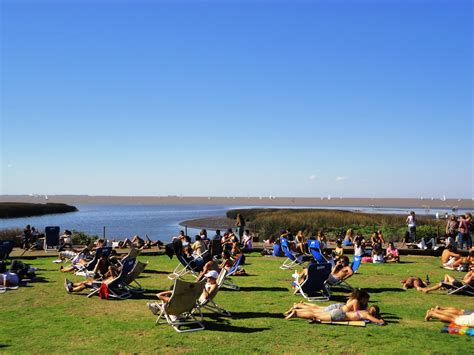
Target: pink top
(394, 251)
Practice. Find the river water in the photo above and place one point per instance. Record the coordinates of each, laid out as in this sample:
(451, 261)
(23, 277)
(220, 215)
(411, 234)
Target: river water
(157, 221)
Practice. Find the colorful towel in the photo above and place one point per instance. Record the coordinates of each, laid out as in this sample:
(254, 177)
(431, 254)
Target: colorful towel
(453, 328)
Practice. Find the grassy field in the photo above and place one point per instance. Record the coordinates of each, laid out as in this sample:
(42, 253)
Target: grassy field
(42, 317)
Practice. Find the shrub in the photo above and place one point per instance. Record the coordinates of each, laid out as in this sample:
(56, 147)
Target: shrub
(81, 238)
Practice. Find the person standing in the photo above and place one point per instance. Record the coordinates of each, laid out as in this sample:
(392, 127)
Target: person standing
(240, 225)
(464, 236)
(411, 223)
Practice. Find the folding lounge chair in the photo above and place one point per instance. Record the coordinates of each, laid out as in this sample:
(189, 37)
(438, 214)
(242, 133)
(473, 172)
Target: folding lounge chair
(6, 247)
(84, 270)
(182, 309)
(117, 287)
(51, 239)
(315, 250)
(131, 277)
(314, 288)
(356, 262)
(185, 266)
(291, 260)
(227, 282)
(467, 289)
(210, 304)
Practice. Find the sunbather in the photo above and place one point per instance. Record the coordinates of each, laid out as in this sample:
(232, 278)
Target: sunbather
(338, 315)
(468, 279)
(79, 286)
(357, 300)
(415, 282)
(466, 263)
(340, 272)
(451, 315)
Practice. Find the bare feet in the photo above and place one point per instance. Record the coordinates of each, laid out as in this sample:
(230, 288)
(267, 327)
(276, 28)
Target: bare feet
(291, 315)
(428, 315)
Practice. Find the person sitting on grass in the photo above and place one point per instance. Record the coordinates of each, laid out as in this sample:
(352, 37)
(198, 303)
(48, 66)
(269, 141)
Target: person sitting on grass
(468, 279)
(358, 300)
(377, 251)
(348, 239)
(247, 240)
(413, 282)
(338, 315)
(451, 315)
(338, 251)
(391, 255)
(449, 256)
(7, 278)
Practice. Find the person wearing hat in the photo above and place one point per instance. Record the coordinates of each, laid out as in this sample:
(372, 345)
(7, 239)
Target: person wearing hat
(210, 289)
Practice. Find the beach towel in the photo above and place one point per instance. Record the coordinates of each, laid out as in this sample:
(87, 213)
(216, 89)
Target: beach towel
(353, 323)
(453, 328)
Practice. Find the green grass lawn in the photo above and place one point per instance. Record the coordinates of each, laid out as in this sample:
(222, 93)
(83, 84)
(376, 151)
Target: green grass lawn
(42, 317)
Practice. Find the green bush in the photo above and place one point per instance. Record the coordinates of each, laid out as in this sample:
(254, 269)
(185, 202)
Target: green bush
(81, 238)
(267, 221)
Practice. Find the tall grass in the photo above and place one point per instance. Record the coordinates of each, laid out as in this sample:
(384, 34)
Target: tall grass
(334, 222)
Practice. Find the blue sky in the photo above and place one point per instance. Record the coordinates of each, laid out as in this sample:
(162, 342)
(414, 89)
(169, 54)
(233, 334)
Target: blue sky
(238, 98)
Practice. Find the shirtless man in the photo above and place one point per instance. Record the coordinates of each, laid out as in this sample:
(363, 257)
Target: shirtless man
(449, 256)
(341, 271)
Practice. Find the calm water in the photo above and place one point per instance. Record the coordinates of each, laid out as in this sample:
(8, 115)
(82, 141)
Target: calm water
(158, 221)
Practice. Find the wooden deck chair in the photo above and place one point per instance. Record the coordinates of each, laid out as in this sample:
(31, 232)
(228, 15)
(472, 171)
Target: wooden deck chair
(182, 310)
(314, 288)
(117, 287)
(131, 278)
(51, 239)
(456, 290)
(291, 260)
(210, 304)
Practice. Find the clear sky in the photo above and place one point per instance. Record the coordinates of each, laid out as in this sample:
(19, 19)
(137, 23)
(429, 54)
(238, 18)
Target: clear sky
(237, 98)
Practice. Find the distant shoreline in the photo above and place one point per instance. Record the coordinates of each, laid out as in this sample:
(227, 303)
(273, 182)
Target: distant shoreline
(245, 201)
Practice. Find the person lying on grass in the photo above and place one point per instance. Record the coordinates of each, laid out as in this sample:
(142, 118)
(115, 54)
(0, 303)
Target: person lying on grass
(7, 278)
(466, 263)
(414, 282)
(210, 290)
(358, 300)
(468, 279)
(451, 315)
(338, 315)
(340, 272)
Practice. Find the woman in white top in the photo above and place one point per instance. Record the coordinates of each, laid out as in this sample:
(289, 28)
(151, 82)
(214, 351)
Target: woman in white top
(411, 223)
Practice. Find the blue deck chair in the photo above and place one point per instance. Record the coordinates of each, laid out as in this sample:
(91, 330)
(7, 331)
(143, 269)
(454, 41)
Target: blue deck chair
(185, 266)
(291, 260)
(314, 287)
(117, 287)
(314, 248)
(228, 283)
(356, 262)
(51, 238)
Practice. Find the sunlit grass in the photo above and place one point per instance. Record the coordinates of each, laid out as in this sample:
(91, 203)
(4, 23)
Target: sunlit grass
(44, 318)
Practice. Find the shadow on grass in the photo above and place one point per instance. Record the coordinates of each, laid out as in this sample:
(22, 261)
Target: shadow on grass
(389, 318)
(258, 288)
(226, 327)
(383, 289)
(148, 271)
(4, 346)
(249, 315)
